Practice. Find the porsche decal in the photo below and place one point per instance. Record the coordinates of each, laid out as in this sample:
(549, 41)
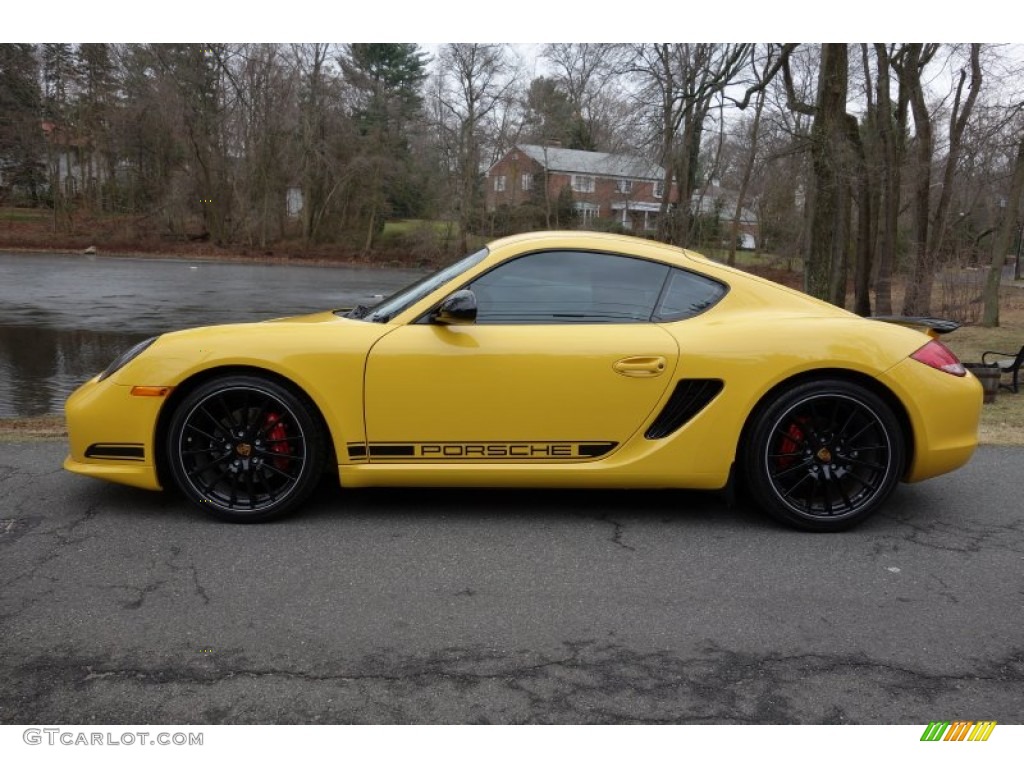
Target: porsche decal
(475, 451)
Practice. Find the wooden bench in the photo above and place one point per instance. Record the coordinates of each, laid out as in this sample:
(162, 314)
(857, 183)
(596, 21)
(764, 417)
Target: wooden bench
(1010, 364)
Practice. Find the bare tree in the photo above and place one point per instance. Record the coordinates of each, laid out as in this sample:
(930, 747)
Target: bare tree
(96, 104)
(829, 200)
(678, 83)
(866, 192)
(586, 74)
(58, 74)
(763, 69)
(475, 81)
(780, 180)
(192, 75)
(261, 125)
(1001, 242)
(328, 166)
(891, 124)
(930, 230)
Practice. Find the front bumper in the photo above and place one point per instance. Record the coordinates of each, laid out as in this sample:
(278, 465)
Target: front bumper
(111, 434)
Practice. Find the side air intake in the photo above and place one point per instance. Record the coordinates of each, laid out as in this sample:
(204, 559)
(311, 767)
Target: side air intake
(689, 399)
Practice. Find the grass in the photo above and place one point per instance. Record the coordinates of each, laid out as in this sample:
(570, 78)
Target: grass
(754, 259)
(406, 230)
(24, 214)
(1002, 422)
(405, 226)
(969, 342)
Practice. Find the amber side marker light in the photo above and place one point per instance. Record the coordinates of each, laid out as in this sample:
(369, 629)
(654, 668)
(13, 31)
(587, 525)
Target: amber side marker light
(152, 391)
(938, 355)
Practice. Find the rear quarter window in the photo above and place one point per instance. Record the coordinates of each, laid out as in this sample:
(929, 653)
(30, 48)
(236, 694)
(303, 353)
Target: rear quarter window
(687, 294)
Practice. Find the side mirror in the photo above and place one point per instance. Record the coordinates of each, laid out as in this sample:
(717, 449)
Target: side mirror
(457, 309)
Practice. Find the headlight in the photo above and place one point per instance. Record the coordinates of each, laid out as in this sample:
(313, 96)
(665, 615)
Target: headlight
(126, 357)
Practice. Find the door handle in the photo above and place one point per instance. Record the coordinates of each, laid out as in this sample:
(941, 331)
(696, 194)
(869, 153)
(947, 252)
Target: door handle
(644, 366)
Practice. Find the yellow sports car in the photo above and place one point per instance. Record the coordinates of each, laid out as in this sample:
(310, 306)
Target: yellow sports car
(555, 359)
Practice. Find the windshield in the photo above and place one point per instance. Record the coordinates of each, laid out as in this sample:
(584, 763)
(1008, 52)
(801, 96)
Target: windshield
(405, 298)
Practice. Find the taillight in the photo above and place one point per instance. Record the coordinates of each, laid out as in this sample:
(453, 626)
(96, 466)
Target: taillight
(938, 355)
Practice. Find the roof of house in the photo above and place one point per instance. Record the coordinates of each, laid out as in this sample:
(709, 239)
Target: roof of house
(593, 163)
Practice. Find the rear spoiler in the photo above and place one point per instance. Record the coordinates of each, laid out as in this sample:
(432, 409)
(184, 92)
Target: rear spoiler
(934, 325)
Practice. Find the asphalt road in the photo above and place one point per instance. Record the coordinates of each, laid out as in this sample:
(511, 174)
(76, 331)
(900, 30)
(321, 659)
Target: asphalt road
(122, 606)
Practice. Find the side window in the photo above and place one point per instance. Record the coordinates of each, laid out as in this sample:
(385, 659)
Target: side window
(687, 294)
(569, 287)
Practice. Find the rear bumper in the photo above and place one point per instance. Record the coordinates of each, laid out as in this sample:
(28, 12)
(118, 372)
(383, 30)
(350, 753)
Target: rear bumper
(944, 413)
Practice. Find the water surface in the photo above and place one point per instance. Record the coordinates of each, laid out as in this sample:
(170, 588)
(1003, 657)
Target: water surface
(63, 318)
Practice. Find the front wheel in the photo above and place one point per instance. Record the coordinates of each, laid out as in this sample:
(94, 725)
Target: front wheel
(245, 449)
(824, 455)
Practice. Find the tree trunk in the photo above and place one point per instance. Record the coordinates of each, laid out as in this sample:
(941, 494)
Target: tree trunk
(748, 170)
(686, 175)
(918, 297)
(829, 204)
(1001, 243)
(867, 210)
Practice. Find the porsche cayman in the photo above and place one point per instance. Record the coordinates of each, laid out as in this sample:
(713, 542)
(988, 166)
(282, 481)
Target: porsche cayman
(556, 359)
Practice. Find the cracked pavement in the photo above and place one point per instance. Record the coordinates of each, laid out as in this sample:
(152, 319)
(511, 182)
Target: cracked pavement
(474, 606)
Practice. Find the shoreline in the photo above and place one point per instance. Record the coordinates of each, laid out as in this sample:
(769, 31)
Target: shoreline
(33, 428)
(227, 257)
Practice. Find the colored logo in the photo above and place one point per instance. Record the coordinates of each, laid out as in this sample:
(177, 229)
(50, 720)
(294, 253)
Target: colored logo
(958, 730)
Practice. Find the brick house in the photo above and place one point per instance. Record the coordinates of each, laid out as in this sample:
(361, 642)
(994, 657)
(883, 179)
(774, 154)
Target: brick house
(622, 188)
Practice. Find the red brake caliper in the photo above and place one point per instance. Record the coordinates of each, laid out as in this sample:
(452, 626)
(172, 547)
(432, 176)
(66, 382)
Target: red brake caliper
(790, 444)
(276, 439)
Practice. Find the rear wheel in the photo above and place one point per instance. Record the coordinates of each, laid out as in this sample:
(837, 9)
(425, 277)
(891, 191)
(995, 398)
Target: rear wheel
(824, 455)
(245, 448)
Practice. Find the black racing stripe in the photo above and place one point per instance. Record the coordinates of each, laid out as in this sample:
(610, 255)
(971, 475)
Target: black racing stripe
(595, 449)
(392, 450)
(123, 451)
(356, 450)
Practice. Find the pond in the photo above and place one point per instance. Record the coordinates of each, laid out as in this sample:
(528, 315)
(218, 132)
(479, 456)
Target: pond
(64, 317)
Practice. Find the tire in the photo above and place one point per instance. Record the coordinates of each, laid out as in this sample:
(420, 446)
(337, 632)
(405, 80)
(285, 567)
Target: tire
(246, 449)
(824, 455)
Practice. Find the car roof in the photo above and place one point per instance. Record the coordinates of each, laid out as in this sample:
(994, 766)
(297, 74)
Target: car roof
(598, 241)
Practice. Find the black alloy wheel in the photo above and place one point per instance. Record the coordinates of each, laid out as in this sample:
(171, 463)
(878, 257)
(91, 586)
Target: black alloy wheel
(246, 449)
(824, 455)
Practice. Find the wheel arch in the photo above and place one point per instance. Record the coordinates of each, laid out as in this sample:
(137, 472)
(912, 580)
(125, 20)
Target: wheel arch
(819, 374)
(182, 390)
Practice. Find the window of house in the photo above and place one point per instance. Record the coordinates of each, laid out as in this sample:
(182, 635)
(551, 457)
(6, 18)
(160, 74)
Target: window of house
(527, 181)
(499, 183)
(625, 186)
(582, 183)
(659, 188)
(570, 287)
